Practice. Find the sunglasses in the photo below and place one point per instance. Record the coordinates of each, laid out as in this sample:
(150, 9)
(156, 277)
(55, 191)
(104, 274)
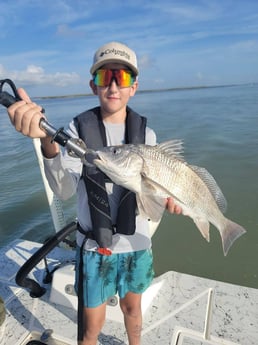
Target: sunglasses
(104, 77)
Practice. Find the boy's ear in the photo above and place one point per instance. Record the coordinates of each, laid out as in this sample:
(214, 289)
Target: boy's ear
(134, 88)
(93, 87)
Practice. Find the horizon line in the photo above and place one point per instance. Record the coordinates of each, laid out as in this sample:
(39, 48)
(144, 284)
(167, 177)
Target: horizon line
(151, 90)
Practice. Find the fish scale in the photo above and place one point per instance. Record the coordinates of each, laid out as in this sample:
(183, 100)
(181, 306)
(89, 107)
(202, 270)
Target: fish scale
(176, 176)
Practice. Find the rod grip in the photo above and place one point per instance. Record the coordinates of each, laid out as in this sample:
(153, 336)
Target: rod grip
(6, 99)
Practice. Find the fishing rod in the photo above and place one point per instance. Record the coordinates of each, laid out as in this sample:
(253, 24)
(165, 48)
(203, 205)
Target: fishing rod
(75, 146)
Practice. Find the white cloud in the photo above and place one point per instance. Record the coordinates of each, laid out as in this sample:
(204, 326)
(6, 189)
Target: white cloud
(145, 61)
(31, 69)
(184, 12)
(248, 46)
(36, 75)
(66, 31)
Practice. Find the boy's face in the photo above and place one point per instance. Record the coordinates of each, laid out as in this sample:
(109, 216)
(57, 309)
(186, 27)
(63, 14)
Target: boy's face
(113, 99)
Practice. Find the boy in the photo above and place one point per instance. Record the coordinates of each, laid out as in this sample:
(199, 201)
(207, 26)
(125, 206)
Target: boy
(113, 242)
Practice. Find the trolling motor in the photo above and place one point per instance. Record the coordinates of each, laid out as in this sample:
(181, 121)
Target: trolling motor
(75, 147)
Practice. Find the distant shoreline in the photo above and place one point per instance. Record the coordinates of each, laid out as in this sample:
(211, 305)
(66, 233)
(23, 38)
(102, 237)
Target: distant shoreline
(148, 91)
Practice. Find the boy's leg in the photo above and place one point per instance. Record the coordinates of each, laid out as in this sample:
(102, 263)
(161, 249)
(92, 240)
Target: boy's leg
(94, 319)
(131, 308)
(134, 277)
(99, 283)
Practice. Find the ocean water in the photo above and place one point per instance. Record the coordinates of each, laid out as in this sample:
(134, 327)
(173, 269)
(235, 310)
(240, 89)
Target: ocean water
(219, 128)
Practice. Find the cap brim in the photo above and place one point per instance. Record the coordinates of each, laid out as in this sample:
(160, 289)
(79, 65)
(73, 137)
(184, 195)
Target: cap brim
(97, 65)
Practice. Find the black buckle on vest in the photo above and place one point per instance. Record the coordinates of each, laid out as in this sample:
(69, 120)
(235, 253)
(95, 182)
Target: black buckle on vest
(90, 234)
(114, 228)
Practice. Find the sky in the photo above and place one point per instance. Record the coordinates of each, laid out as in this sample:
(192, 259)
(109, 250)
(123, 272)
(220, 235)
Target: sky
(47, 46)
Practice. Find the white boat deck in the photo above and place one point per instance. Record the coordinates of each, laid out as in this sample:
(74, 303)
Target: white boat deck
(178, 309)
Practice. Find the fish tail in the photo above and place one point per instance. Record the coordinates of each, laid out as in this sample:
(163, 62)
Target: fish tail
(231, 232)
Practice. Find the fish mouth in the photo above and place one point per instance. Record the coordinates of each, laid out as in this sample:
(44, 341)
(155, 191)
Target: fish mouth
(99, 160)
(89, 158)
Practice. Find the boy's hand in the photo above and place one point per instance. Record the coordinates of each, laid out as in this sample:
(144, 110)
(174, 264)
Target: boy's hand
(172, 207)
(25, 116)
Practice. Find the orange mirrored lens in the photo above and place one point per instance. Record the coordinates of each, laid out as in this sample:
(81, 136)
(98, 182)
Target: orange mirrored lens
(123, 78)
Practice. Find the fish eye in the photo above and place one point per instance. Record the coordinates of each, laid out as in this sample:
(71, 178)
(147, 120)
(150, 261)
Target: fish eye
(116, 150)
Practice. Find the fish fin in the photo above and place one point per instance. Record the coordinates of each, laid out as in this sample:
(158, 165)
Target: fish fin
(172, 147)
(210, 182)
(204, 227)
(231, 232)
(150, 207)
(155, 198)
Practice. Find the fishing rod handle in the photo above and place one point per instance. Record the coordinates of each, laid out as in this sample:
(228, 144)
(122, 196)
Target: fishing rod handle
(76, 147)
(6, 99)
(58, 135)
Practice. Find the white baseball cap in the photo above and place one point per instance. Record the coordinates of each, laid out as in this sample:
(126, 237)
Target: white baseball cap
(114, 52)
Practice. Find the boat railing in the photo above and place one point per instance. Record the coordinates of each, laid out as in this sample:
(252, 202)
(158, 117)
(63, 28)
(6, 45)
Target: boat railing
(21, 277)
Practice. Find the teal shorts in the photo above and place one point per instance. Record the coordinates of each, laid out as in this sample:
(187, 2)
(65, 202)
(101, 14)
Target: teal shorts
(104, 276)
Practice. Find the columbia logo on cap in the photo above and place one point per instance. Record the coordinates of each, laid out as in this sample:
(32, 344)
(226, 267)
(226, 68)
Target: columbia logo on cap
(115, 52)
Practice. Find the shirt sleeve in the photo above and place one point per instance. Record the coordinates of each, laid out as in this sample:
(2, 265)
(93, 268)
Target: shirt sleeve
(151, 138)
(63, 172)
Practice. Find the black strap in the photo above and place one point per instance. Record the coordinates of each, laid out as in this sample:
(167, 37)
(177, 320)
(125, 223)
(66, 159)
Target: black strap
(125, 220)
(87, 234)
(80, 315)
(99, 207)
